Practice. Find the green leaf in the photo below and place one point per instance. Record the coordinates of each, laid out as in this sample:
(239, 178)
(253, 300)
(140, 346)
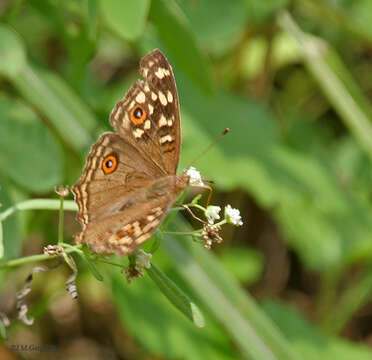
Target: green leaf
(2, 330)
(262, 10)
(92, 18)
(1, 240)
(91, 265)
(176, 35)
(64, 117)
(336, 82)
(29, 154)
(308, 341)
(176, 296)
(251, 330)
(154, 243)
(12, 52)
(227, 20)
(11, 239)
(161, 328)
(127, 18)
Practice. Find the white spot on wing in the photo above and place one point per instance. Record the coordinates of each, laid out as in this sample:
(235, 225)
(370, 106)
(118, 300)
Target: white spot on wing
(138, 133)
(117, 114)
(151, 109)
(166, 138)
(162, 121)
(154, 96)
(162, 98)
(141, 97)
(159, 73)
(170, 96)
(147, 125)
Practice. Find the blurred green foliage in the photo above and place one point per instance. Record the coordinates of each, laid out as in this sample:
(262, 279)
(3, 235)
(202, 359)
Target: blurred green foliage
(292, 79)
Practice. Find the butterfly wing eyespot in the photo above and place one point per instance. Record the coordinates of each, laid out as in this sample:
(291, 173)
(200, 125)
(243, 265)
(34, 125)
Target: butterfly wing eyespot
(138, 115)
(109, 164)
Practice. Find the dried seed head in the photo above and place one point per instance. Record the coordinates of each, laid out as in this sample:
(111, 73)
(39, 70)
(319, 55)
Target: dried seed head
(62, 190)
(210, 235)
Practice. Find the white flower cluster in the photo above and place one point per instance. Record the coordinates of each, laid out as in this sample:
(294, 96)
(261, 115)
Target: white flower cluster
(232, 215)
(195, 177)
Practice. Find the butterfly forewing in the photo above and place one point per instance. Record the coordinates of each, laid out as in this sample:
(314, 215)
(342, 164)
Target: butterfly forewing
(148, 115)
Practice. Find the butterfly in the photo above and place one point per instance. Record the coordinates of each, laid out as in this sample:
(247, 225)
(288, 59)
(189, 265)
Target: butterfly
(129, 181)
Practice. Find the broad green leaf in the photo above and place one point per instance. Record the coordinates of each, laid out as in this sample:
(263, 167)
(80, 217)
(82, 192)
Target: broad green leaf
(227, 21)
(253, 333)
(127, 18)
(29, 154)
(70, 99)
(292, 182)
(12, 52)
(176, 296)
(11, 238)
(91, 265)
(310, 342)
(261, 11)
(92, 18)
(335, 81)
(2, 330)
(66, 119)
(163, 330)
(1, 241)
(175, 33)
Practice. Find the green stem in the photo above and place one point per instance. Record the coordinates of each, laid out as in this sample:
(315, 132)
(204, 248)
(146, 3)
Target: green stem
(73, 248)
(222, 222)
(198, 207)
(60, 223)
(176, 233)
(109, 262)
(35, 204)
(39, 257)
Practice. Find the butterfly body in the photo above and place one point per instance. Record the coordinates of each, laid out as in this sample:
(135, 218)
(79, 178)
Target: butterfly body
(129, 181)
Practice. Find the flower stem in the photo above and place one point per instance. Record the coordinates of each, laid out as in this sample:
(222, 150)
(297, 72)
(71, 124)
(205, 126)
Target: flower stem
(182, 233)
(60, 222)
(109, 262)
(45, 204)
(38, 257)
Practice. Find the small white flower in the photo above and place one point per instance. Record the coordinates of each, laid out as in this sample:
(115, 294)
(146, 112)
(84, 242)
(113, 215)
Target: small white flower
(212, 213)
(233, 216)
(195, 177)
(143, 259)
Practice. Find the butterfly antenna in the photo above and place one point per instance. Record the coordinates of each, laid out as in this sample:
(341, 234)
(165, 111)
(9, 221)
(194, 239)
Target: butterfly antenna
(227, 130)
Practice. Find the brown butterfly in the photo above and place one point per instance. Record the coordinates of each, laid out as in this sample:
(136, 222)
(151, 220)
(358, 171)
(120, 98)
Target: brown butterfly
(129, 181)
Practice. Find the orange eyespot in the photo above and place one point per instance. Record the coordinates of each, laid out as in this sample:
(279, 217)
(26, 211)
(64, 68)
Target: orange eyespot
(109, 164)
(138, 115)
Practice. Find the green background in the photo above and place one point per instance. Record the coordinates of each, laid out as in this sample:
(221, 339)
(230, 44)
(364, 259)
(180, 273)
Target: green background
(293, 81)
